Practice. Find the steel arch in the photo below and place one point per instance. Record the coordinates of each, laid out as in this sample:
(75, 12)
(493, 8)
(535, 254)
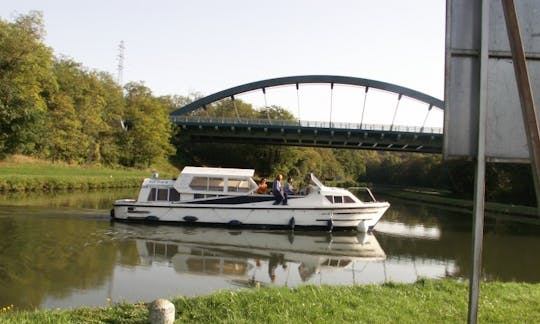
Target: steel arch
(331, 79)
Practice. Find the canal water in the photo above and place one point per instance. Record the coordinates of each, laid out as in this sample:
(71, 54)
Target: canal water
(62, 251)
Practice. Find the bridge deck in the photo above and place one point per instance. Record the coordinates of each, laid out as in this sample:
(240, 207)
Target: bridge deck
(310, 133)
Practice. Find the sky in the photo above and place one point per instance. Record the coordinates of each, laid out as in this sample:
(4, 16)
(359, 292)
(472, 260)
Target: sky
(202, 46)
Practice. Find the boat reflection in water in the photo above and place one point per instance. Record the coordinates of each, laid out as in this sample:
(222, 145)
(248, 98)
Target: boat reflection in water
(251, 258)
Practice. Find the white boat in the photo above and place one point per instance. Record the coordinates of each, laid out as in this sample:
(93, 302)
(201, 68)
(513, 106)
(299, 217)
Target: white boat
(227, 197)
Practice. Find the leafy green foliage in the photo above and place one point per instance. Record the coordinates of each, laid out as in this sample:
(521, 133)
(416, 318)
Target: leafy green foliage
(25, 83)
(56, 109)
(84, 115)
(148, 136)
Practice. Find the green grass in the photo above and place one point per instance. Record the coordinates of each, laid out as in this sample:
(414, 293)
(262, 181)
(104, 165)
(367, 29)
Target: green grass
(427, 301)
(19, 173)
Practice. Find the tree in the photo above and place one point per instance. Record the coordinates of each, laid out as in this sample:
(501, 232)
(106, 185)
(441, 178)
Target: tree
(65, 140)
(275, 112)
(26, 82)
(174, 102)
(97, 103)
(112, 115)
(147, 138)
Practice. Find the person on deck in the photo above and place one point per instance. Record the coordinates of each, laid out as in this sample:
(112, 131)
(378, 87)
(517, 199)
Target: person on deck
(289, 189)
(262, 186)
(277, 190)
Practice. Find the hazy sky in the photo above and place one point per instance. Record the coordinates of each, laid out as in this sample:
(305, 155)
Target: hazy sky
(183, 46)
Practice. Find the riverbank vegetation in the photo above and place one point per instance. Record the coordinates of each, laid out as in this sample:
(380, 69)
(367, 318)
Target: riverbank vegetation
(427, 301)
(56, 110)
(21, 173)
(441, 198)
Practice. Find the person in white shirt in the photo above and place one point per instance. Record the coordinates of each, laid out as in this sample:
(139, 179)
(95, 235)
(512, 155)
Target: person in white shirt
(277, 190)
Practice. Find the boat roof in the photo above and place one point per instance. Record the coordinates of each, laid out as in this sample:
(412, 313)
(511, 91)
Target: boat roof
(218, 171)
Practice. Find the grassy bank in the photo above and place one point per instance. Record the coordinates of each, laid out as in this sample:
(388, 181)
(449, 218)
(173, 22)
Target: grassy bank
(430, 301)
(19, 173)
(438, 198)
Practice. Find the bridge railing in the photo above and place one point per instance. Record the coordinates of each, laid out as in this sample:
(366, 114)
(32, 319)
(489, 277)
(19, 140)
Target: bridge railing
(225, 121)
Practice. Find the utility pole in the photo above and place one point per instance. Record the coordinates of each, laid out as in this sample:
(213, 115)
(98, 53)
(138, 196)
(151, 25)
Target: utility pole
(120, 66)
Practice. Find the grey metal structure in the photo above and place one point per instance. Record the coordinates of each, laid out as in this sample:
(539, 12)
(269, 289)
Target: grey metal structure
(492, 66)
(315, 134)
(505, 133)
(329, 79)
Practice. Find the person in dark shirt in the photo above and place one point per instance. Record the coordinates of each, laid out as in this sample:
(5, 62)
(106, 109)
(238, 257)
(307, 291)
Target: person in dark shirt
(289, 189)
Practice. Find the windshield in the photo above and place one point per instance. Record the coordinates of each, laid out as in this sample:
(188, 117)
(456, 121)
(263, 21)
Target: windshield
(316, 181)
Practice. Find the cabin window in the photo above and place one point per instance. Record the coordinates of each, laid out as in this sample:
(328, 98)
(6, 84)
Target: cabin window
(160, 249)
(152, 195)
(163, 194)
(340, 199)
(238, 185)
(174, 195)
(207, 184)
(216, 184)
(199, 183)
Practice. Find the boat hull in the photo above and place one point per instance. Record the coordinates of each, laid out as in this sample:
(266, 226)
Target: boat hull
(360, 218)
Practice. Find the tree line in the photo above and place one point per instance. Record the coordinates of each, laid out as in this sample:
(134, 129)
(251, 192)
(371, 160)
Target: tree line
(56, 109)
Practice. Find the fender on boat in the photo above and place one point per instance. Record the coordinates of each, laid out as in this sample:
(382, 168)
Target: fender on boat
(190, 219)
(291, 223)
(235, 223)
(330, 224)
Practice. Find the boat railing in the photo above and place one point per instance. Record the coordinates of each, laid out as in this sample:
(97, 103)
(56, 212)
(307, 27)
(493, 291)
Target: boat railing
(365, 189)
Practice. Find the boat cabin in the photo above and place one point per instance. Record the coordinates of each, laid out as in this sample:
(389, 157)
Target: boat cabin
(198, 182)
(215, 181)
(154, 190)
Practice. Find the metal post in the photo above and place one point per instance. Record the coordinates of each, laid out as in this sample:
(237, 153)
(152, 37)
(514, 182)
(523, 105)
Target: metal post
(525, 93)
(395, 111)
(425, 119)
(331, 101)
(480, 174)
(266, 106)
(235, 109)
(364, 107)
(298, 100)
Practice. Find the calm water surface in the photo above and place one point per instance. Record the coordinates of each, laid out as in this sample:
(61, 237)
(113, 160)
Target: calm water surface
(60, 251)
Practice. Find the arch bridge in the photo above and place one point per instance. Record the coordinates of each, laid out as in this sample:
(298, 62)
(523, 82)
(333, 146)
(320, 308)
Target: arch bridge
(351, 134)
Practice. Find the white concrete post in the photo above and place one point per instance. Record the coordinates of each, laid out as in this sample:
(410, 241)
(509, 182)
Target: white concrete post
(161, 311)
